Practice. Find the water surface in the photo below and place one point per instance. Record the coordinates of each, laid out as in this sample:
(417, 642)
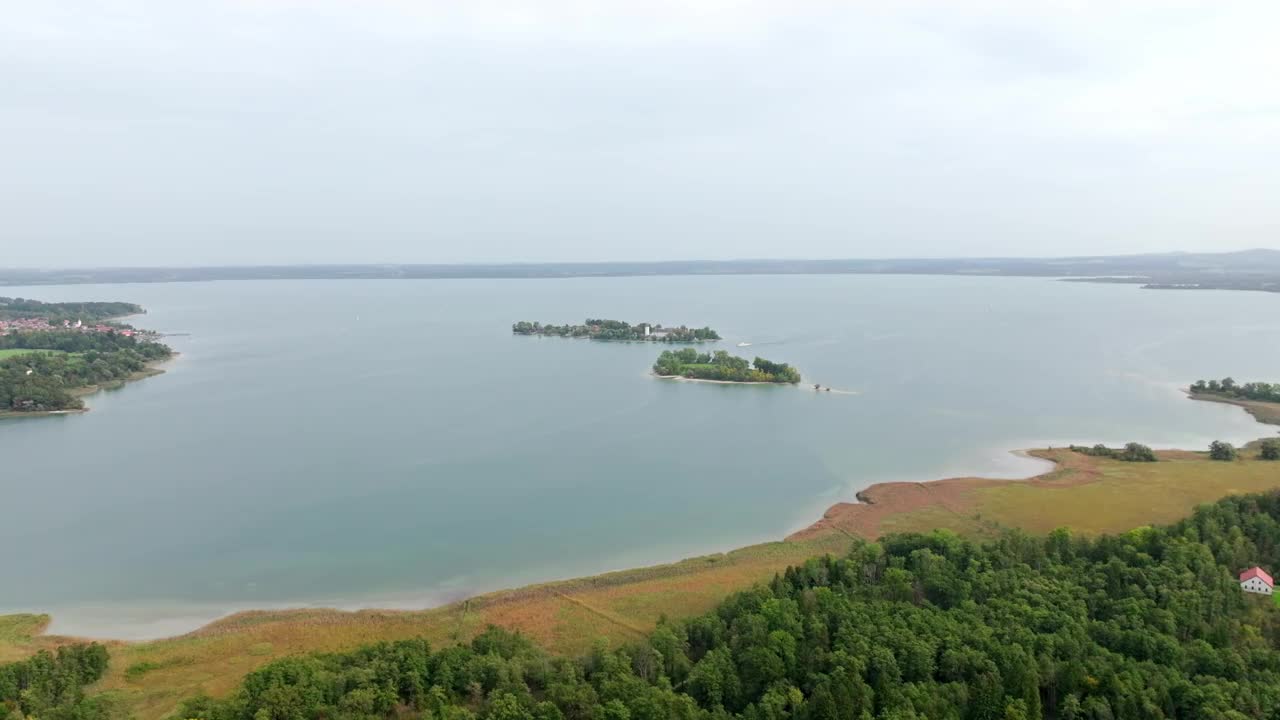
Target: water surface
(360, 443)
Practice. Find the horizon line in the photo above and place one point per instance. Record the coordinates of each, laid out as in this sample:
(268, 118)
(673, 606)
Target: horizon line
(545, 263)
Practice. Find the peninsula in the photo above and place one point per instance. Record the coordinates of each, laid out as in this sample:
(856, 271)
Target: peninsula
(720, 366)
(1259, 399)
(597, 329)
(51, 354)
(17, 309)
(1228, 387)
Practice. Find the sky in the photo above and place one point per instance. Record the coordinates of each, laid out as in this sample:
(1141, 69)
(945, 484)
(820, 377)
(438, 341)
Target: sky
(331, 131)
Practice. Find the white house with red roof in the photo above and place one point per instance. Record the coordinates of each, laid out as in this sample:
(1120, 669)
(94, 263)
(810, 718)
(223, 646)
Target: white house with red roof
(1256, 580)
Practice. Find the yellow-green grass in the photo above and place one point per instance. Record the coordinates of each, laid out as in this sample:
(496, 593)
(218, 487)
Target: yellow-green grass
(149, 679)
(14, 352)
(1123, 496)
(1091, 495)
(21, 635)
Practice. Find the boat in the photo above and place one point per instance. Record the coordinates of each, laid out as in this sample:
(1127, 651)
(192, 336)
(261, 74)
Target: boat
(744, 344)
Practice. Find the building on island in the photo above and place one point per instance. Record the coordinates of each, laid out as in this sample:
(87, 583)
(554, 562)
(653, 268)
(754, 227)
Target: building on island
(1256, 580)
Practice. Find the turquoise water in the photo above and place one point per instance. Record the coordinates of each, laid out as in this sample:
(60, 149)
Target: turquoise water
(391, 443)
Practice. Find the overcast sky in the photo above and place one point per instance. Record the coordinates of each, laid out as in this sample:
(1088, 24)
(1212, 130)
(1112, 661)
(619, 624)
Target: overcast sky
(272, 131)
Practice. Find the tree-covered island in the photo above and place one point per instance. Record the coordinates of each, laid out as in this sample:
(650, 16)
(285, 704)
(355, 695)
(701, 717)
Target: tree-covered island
(51, 353)
(720, 365)
(597, 329)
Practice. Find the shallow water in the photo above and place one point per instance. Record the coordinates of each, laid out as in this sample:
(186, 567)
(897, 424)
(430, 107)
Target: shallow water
(390, 443)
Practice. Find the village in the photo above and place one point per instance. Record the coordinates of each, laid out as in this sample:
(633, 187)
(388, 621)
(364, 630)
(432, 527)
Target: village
(42, 325)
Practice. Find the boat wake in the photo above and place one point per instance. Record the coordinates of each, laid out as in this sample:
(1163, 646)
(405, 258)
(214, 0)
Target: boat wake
(833, 391)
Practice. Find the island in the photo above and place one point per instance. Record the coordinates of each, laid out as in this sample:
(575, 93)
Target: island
(51, 354)
(597, 329)
(720, 366)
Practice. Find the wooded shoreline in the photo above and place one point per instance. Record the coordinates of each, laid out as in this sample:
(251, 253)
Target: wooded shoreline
(153, 369)
(54, 354)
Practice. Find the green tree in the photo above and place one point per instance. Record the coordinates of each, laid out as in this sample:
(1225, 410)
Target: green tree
(1219, 450)
(1137, 452)
(507, 707)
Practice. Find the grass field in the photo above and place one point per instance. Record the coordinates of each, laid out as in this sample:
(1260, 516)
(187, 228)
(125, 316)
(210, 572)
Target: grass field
(1098, 496)
(1090, 495)
(12, 353)
(19, 635)
(149, 679)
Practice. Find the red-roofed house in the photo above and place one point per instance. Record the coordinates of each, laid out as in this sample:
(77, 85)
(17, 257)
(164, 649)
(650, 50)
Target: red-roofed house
(1256, 580)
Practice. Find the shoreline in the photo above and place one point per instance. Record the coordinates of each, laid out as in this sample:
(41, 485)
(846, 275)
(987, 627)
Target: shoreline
(672, 342)
(840, 523)
(822, 534)
(1264, 412)
(875, 503)
(721, 382)
(1089, 495)
(862, 518)
(152, 369)
(798, 385)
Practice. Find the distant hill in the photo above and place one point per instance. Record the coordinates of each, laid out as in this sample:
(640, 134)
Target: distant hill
(1257, 269)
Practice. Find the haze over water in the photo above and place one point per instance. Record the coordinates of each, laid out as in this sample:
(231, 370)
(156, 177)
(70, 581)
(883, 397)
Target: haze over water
(391, 443)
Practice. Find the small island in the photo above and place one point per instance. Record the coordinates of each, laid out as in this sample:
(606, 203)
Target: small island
(596, 329)
(53, 353)
(720, 366)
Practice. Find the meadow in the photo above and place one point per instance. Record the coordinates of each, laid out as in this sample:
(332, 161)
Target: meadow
(13, 352)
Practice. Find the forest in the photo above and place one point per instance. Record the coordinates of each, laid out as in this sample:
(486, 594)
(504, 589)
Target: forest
(15, 308)
(720, 365)
(1260, 391)
(50, 686)
(64, 361)
(597, 329)
(1148, 624)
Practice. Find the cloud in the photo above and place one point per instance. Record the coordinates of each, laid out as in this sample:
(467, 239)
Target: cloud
(282, 130)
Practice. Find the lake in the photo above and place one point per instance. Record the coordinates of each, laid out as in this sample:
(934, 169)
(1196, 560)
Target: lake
(391, 443)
